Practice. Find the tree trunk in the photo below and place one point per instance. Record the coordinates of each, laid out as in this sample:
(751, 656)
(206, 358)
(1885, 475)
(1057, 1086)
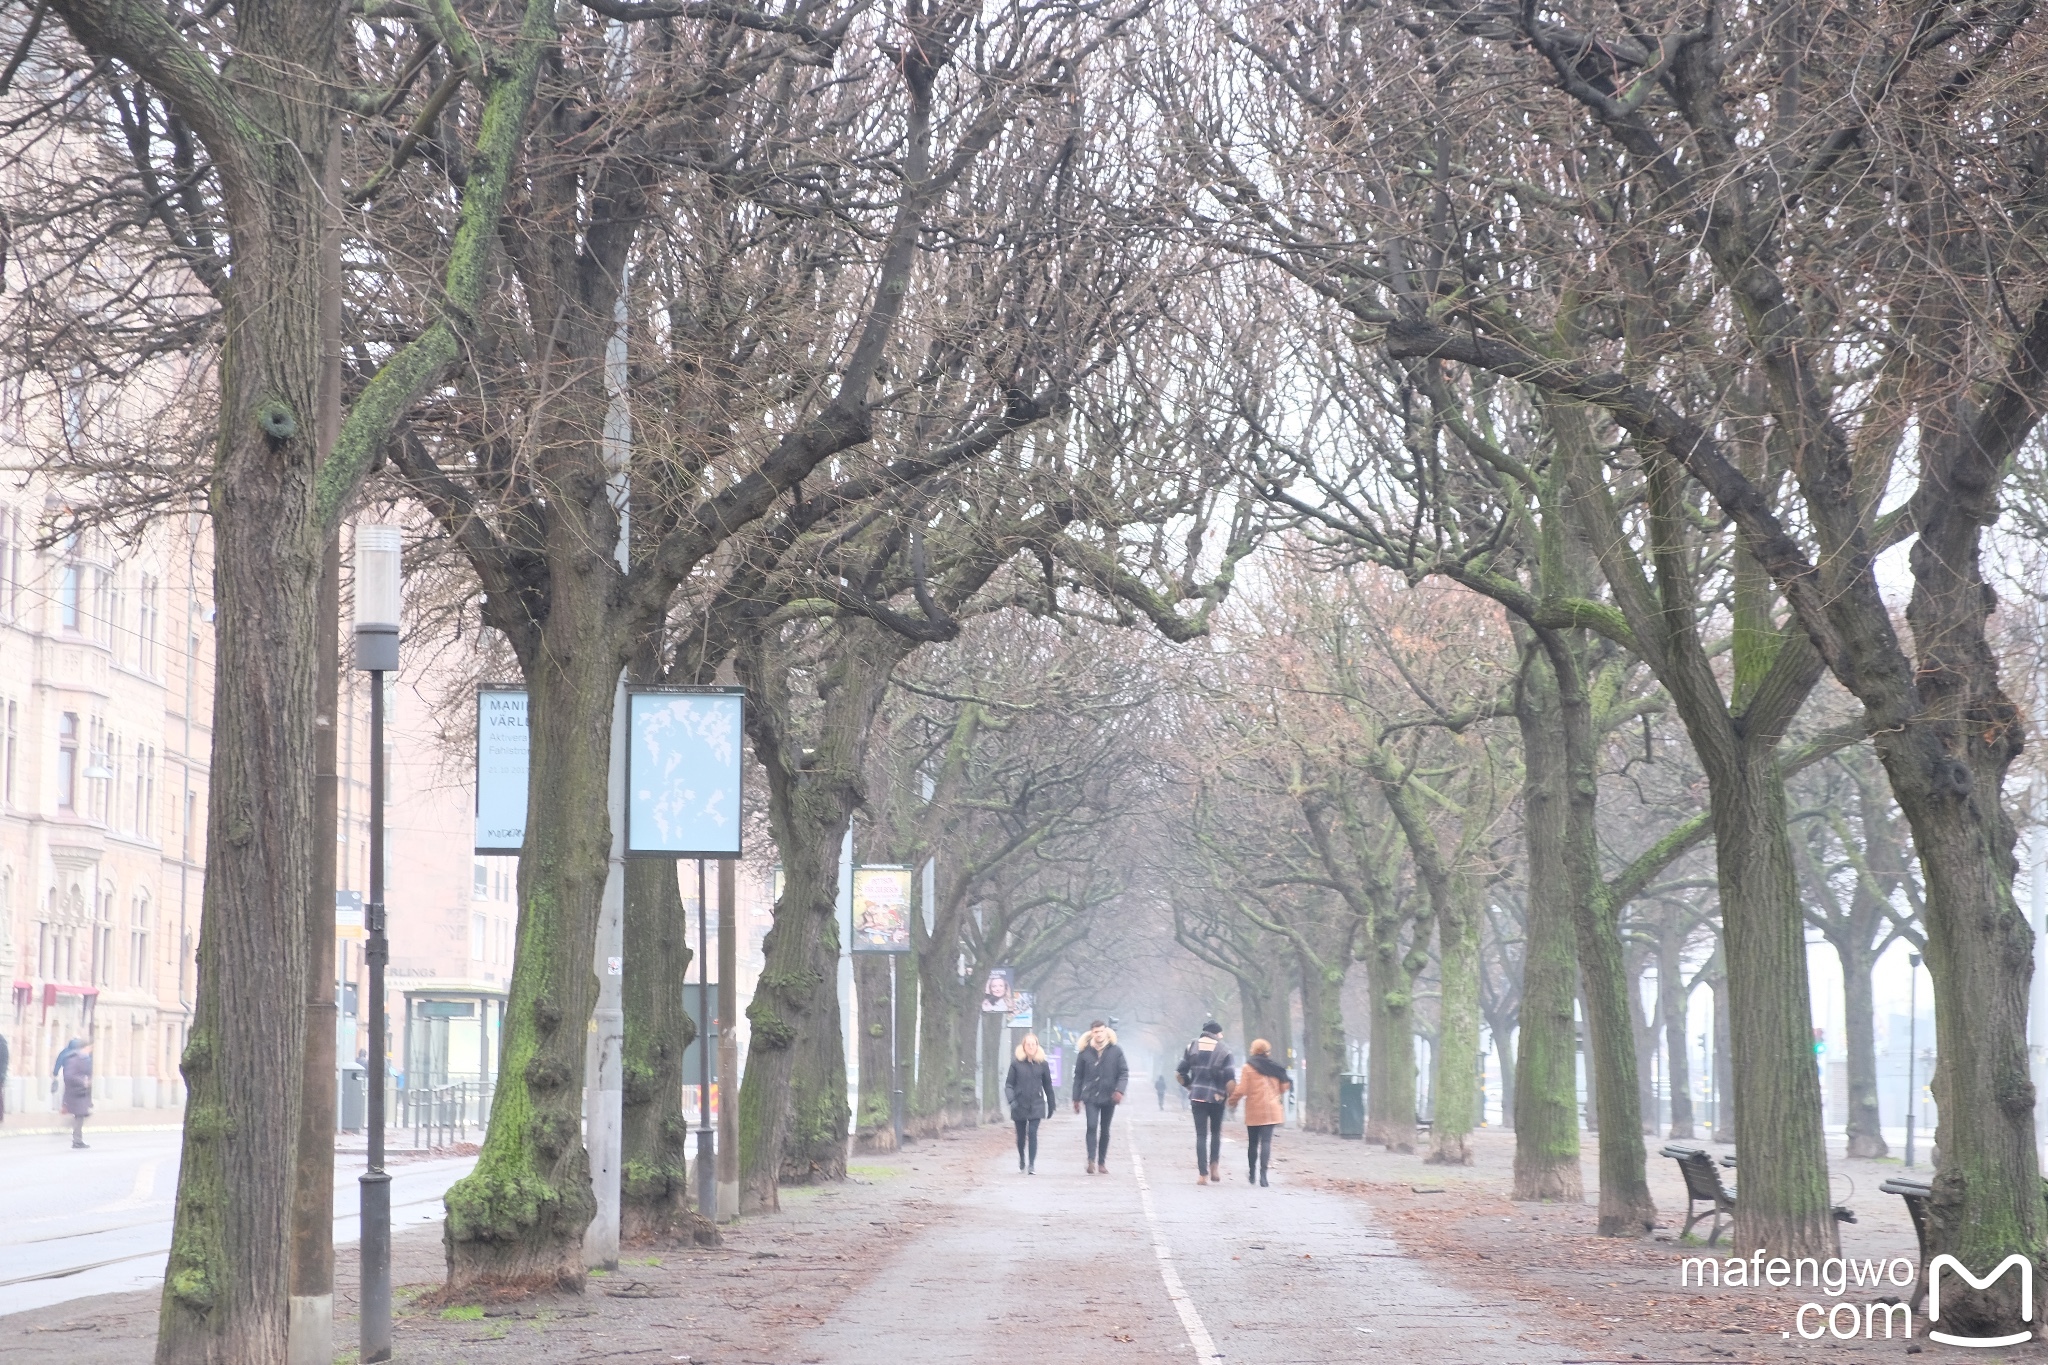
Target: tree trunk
(908, 1027)
(1626, 1209)
(226, 1284)
(1866, 1133)
(874, 1127)
(814, 1139)
(1724, 1061)
(1671, 1002)
(654, 1148)
(1457, 1037)
(1390, 1059)
(796, 1064)
(992, 1068)
(1504, 1054)
(945, 1075)
(1785, 1205)
(1546, 1060)
(518, 1218)
(1643, 1025)
(1987, 1187)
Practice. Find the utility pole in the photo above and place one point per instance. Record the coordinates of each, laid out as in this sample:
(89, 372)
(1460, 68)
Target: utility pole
(707, 1175)
(606, 1101)
(604, 1117)
(1912, 1049)
(377, 612)
(728, 1202)
(309, 1338)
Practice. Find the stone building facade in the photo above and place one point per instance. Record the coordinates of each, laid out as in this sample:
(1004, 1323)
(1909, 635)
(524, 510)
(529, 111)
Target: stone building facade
(106, 696)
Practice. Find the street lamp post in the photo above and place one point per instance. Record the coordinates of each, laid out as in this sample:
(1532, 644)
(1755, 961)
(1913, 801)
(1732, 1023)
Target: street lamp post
(1912, 1047)
(377, 607)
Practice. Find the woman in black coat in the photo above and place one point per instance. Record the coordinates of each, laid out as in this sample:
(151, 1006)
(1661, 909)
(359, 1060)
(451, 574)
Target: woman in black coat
(1031, 1096)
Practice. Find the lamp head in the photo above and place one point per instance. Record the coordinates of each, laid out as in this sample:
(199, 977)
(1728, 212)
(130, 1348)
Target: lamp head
(378, 598)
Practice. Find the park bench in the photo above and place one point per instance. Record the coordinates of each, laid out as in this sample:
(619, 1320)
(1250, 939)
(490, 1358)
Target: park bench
(1919, 1196)
(1703, 1186)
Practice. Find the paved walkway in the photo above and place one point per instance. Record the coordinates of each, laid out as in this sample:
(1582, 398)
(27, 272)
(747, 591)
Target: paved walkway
(1143, 1264)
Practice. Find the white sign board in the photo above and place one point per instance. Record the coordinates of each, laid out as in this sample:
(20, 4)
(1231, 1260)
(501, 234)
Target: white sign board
(683, 759)
(502, 745)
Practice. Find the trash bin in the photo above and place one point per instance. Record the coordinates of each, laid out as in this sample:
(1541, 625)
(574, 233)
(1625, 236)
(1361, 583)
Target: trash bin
(354, 1109)
(1351, 1106)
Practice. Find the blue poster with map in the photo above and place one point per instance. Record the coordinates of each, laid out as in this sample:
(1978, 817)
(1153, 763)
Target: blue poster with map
(683, 760)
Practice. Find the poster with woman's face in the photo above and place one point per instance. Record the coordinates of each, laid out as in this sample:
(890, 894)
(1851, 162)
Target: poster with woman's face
(995, 995)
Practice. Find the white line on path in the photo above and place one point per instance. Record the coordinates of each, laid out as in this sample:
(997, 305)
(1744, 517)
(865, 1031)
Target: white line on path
(1198, 1335)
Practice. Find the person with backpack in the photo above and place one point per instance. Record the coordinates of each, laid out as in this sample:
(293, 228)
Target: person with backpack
(1260, 1085)
(1206, 1070)
(1032, 1098)
(1100, 1074)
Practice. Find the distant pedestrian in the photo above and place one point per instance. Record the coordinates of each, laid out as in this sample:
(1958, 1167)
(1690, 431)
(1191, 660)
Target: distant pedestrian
(1159, 1088)
(1032, 1098)
(3, 1078)
(1205, 1069)
(78, 1090)
(1261, 1085)
(1100, 1074)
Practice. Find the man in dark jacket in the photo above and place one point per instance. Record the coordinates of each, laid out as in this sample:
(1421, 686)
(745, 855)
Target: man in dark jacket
(1100, 1074)
(1207, 1069)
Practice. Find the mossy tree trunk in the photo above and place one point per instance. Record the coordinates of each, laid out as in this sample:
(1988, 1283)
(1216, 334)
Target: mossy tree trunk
(814, 1139)
(1546, 1058)
(1322, 1045)
(874, 1128)
(1626, 1209)
(265, 133)
(945, 1076)
(654, 1149)
(519, 1217)
(1454, 906)
(1390, 1060)
(796, 1069)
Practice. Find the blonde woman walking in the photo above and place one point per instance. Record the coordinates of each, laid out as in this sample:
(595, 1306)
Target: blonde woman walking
(1031, 1097)
(1260, 1085)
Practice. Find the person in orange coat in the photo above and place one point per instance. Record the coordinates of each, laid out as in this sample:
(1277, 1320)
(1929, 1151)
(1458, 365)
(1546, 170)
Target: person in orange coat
(1260, 1085)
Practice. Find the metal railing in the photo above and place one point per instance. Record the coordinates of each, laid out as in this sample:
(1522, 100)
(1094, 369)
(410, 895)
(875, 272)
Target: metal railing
(441, 1115)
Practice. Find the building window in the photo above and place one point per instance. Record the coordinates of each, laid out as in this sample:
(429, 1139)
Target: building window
(145, 791)
(138, 940)
(42, 949)
(104, 605)
(146, 626)
(476, 937)
(97, 773)
(67, 596)
(10, 750)
(103, 937)
(480, 883)
(67, 761)
(10, 561)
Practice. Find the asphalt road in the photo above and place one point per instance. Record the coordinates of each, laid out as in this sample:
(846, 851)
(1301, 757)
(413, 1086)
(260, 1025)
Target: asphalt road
(74, 1223)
